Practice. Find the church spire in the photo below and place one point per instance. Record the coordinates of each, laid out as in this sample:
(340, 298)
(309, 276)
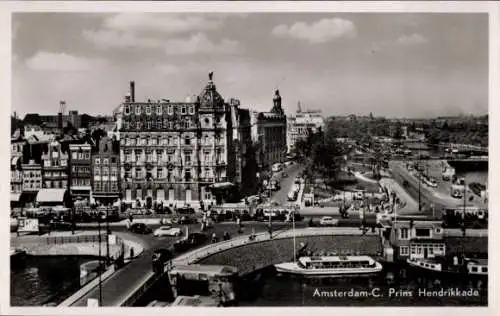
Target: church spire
(299, 108)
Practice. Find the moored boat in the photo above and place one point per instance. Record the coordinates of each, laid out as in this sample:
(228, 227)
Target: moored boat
(478, 267)
(331, 266)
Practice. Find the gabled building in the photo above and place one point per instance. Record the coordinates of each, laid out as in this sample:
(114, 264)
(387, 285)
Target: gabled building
(106, 188)
(80, 171)
(55, 167)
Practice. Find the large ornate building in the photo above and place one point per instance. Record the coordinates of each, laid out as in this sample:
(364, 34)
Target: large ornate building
(175, 152)
(269, 134)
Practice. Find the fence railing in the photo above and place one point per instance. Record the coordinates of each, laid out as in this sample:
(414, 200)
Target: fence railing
(57, 240)
(201, 253)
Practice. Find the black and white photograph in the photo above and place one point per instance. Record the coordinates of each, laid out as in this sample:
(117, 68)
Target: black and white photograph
(281, 158)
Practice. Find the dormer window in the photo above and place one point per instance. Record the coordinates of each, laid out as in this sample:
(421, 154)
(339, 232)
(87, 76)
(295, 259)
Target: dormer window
(148, 109)
(159, 109)
(191, 109)
(170, 109)
(183, 109)
(126, 109)
(137, 110)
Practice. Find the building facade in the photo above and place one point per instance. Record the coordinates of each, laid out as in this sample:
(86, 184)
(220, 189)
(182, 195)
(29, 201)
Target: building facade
(55, 167)
(80, 174)
(16, 156)
(106, 169)
(269, 134)
(303, 123)
(32, 176)
(417, 239)
(174, 152)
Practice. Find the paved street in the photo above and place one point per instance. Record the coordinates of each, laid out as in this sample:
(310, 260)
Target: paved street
(281, 196)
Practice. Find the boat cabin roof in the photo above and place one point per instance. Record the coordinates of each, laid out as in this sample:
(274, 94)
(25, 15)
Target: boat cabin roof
(335, 259)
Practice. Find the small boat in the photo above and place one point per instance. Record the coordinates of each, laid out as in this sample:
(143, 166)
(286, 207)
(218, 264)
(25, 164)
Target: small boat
(331, 266)
(478, 267)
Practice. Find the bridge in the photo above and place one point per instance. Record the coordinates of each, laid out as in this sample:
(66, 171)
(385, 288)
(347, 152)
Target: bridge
(124, 289)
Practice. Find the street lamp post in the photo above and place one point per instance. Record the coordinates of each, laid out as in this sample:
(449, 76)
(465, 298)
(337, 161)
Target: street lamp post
(100, 260)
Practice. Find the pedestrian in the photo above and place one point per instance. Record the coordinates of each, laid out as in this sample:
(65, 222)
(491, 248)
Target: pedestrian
(131, 252)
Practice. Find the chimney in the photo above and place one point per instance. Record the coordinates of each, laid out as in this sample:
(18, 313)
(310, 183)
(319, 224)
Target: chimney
(132, 91)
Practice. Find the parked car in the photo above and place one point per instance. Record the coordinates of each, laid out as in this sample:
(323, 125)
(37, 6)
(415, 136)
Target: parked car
(140, 228)
(167, 231)
(328, 221)
(160, 257)
(192, 240)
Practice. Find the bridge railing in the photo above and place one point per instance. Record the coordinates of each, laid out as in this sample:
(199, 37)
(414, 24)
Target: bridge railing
(201, 253)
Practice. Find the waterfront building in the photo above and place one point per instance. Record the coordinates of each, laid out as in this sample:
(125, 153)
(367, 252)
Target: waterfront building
(175, 152)
(269, 134)
(302, 124)
(55, 167)
(17, 144)
(80, 174)
(106, 172)
(32, 176)
(417, 239)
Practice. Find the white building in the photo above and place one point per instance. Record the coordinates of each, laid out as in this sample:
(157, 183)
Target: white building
(302, 124)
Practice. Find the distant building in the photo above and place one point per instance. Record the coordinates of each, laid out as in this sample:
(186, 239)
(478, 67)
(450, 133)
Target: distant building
(74, 119)
(55, 167)
(106, 172)
(304, 123)
(80, 171)
(269, 134)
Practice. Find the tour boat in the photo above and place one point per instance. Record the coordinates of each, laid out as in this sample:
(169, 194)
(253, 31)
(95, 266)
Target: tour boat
(477, 266)
(331, 266)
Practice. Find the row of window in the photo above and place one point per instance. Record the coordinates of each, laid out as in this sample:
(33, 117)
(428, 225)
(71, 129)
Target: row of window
(56, 184)
(170, 140)
(80, 182)
(106, 172)
(420, 249)
(106, 186)
(32, 174)
(160, 194)
(404, 233)
(159, 124)
(158, 109)
(55, 162)
(105, 161)
(76, 169)
(80, 155)
(55, 174)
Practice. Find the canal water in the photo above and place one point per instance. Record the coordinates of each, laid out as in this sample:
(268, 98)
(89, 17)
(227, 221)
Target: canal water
(389, 288)
(45, 280)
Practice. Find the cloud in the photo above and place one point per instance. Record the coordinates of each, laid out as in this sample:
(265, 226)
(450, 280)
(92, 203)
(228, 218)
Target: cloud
(115, 39)
(413, 39)
(167, 69)
(318, 32)
(168, 23)
(61, 62)
(200, 43)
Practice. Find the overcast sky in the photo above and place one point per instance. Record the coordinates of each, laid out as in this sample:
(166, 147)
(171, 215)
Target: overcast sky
(396, 65)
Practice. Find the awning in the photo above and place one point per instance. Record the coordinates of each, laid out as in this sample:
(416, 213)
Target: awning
(14, 197)
(51, 195)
